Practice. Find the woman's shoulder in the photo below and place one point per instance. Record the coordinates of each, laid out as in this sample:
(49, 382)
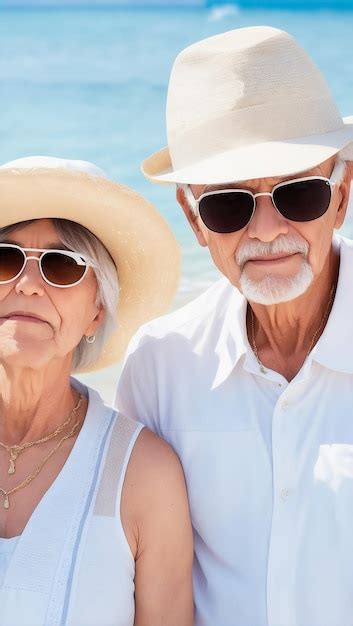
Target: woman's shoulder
(155, 507)
(155, 452)
(153, 464)
(154, 472)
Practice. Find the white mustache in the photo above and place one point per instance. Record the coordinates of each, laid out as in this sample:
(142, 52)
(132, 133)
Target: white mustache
(280, 245)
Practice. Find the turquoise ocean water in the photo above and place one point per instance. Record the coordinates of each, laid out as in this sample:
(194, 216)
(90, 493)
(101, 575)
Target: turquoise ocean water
(91, 84)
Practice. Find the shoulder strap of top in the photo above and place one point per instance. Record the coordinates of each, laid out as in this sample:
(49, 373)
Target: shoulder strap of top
(123, 437)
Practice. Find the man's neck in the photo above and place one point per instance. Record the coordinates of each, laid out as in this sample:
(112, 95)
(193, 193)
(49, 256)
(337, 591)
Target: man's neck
(285, 333)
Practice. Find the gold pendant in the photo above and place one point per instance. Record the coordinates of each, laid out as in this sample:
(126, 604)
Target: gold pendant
(6, 502)
(12, 465)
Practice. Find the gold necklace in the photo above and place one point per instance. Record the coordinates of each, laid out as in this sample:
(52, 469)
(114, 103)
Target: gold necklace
(312, 343)
(16, 449)
(39, 467)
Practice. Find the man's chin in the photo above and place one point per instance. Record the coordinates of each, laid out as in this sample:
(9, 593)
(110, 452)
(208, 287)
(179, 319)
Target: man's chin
(274, 289)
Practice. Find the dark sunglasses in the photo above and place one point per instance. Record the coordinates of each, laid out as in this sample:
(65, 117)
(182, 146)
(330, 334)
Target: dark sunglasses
(298, 200)
(59, 268)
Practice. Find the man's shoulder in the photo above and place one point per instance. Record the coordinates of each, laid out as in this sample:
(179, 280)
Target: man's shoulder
(167, 352)
(190, 319)
(345, 244)
(344, 248)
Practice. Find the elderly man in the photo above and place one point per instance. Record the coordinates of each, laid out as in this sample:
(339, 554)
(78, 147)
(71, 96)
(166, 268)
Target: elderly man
(252, 383)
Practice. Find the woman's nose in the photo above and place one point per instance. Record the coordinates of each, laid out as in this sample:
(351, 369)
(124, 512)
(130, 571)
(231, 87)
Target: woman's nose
(30, 282)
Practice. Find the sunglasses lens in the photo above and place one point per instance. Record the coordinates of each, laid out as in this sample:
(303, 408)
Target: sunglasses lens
(226, 212)
(61, 269)
(11, 263)
(303, 201)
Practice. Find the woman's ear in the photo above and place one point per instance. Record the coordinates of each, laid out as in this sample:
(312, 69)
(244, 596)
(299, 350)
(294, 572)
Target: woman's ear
(95, 324)
(194, 220)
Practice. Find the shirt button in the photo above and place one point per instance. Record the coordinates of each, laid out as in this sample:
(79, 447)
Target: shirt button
(285, 493)
(285, 405)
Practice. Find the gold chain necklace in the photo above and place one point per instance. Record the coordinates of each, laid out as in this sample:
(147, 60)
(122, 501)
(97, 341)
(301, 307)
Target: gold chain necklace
(312, 343)
(39, 467)
(15, 450)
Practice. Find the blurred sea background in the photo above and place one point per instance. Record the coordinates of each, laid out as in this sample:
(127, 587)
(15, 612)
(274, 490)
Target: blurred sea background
(88, 80)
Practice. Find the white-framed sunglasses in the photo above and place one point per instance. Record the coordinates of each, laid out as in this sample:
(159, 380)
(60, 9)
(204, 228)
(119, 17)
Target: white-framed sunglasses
(299, 200)
(59, 268)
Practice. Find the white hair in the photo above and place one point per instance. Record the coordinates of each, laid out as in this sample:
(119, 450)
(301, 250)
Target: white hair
(347, 153)
(79, 239)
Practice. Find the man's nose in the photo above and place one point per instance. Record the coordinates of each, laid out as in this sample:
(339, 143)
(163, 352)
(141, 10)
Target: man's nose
(30, 281)
(267, 223)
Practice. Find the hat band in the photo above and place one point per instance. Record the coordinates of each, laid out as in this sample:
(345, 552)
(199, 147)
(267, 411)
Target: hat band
(247, 126)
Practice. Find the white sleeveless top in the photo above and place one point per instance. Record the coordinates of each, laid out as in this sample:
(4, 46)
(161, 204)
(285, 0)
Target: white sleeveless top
(7, 548)
(72, 565)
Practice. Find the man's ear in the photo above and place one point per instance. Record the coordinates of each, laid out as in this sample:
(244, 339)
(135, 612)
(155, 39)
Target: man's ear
(194, 220)
(344, 191)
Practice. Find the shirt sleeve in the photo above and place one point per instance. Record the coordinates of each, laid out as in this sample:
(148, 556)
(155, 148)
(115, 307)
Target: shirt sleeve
(137, 395)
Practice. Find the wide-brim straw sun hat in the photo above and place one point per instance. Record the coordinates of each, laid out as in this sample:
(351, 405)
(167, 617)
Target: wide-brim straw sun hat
(138, 239)
(249, 103)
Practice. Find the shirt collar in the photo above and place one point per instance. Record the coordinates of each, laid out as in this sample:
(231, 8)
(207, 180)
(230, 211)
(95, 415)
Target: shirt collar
(233, 340)
(334, 349)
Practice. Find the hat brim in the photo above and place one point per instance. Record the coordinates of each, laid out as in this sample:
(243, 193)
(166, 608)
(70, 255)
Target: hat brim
(259, 160)
(139, 240)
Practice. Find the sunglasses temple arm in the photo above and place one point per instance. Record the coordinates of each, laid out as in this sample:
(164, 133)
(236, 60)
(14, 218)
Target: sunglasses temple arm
(189, 197)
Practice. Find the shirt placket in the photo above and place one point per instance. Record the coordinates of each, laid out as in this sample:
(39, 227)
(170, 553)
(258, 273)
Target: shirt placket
(281, 557)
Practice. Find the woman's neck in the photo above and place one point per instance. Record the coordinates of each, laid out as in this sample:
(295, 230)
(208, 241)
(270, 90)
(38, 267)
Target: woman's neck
(33, 402)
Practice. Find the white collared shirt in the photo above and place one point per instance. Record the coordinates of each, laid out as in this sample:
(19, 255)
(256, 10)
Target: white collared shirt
(268, 463)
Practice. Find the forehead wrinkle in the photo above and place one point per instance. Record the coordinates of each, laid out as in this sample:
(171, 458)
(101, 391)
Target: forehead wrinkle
(271, 181)
(50, 246)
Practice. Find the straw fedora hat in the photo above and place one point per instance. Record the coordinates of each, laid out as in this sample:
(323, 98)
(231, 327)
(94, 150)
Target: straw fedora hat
(249, 103)
(141, 244)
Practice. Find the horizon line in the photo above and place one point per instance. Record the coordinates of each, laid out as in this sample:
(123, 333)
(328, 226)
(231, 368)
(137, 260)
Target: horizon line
(294, 5)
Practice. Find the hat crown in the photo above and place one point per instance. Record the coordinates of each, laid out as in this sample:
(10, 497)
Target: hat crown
(48, 162)
(243, 87)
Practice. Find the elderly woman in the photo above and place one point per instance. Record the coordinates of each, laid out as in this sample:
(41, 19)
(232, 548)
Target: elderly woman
(94, 520)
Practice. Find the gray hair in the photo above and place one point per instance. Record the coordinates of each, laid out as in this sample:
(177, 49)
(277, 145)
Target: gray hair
(79, 239)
